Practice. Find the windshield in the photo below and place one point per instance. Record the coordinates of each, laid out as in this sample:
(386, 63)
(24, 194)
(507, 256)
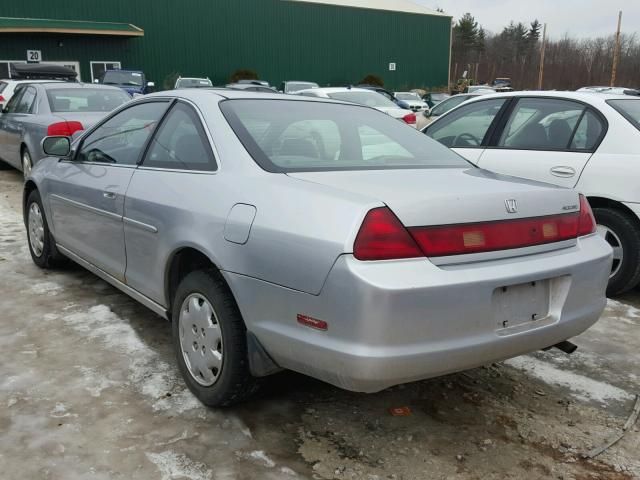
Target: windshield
(629, 109)
(297, 86)
(118, 77)
(86, 99)
(448, 104)
(370, 99)
(408, 96)
(193, 83)
(296, 136)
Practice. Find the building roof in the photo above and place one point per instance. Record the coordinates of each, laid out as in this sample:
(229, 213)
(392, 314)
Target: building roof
(45, 25)
(405, 6)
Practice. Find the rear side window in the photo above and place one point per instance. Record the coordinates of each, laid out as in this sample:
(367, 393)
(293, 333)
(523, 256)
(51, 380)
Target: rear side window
(3, 85)
(629, 109)
(181, 143)
(27, 101)
(466, 126)
(541, 124)
(588, 133)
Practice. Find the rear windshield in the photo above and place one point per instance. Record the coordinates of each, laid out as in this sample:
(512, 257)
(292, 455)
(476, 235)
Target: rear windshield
(296, 136)
(408, 96)
(370, 99)
(117, 77)
(297, 86)
(86, 99)
(629, 109)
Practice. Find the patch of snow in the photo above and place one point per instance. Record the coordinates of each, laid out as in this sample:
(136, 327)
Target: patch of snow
(582, 388)
(97, 381)
(46, 288)
(11, 402)
(180, 437)
(262, 458)
(288, 471)
(150, 375)
(177, 466)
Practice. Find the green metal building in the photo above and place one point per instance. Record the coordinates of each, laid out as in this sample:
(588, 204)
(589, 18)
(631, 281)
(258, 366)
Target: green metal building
(329, 42)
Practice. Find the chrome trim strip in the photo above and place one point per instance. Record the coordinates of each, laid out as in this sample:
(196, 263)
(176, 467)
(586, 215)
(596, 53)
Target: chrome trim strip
(147, 302)
(88, 208)
(142, 226)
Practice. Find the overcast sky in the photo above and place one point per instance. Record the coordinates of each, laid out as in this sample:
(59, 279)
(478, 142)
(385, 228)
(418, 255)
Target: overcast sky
(579, 18)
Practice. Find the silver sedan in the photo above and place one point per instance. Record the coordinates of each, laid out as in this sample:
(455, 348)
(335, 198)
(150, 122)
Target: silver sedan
(44, 108)
(313, 235)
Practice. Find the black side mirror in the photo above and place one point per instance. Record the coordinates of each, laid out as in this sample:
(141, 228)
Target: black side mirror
(56, 146)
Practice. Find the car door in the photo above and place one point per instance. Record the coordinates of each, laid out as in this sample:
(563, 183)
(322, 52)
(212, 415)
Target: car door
(86, 194)
(165, 194)
(14, 122)
(467, 129)
(545, 139)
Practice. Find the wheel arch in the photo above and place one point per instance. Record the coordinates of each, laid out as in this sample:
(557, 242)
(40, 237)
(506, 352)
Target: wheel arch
(29, 187)
(603, 202)
(181, 262)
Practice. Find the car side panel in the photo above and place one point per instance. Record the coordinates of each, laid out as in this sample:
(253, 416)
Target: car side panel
(299, 230)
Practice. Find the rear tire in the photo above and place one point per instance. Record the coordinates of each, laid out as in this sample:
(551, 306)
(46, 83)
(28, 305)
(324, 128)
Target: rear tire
(42, 245)
(210, 341)
(622, 231)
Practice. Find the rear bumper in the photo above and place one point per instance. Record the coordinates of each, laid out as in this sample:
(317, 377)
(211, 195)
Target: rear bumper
(399, 321)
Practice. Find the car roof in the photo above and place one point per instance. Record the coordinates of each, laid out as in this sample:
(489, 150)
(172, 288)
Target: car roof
(329, 90)
(53, 84)
(588, 97)
(30, 81)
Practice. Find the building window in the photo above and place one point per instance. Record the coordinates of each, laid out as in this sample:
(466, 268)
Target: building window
(4, 67)
(98, 68)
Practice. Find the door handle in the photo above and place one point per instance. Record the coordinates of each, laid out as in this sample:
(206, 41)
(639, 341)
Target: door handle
(109, 195)
(561, 171)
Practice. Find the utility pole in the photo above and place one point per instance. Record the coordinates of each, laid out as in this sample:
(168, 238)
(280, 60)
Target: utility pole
(616, 52)
(542, 49)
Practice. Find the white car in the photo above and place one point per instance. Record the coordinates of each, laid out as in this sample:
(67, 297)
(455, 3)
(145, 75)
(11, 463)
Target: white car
(8, 87)
(365, 97)
(614, 90)
(571, 139)
(412, 99)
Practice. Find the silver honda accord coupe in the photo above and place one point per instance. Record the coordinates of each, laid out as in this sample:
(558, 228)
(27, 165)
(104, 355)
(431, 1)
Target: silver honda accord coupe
(312, 235)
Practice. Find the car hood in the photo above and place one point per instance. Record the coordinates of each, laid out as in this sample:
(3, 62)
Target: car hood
(441, 196)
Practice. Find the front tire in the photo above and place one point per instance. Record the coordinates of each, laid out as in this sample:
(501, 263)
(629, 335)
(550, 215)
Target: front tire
(209, 338)
(27, 164)
(42, 245)
(622, 232)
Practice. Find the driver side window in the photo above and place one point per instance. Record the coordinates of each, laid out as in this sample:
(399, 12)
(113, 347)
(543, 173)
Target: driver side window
(466, 126)
(120, 140)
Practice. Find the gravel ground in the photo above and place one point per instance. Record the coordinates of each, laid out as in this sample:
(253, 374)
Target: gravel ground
(89, 390)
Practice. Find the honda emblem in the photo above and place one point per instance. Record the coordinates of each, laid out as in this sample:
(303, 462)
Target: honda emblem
(512, 205)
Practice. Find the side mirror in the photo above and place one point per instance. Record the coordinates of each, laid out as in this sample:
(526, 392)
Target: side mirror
(56, 146)
(151, 84)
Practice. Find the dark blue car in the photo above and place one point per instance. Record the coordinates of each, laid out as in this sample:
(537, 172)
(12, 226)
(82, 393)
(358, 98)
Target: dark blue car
(132, 81)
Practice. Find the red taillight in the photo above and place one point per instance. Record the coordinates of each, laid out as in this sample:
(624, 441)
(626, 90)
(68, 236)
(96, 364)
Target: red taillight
(383, 237)
(64, 129)
(410, 118)
(1, 99)
(500, 235)
(587, 222)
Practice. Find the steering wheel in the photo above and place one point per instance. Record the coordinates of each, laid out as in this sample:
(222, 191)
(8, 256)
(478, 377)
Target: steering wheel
(467, 137)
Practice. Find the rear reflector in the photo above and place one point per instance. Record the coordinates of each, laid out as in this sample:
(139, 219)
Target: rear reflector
(1, 99)
(383, 237)
(410, 118)
(312, 322)
(500, 235)
(64, 129)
